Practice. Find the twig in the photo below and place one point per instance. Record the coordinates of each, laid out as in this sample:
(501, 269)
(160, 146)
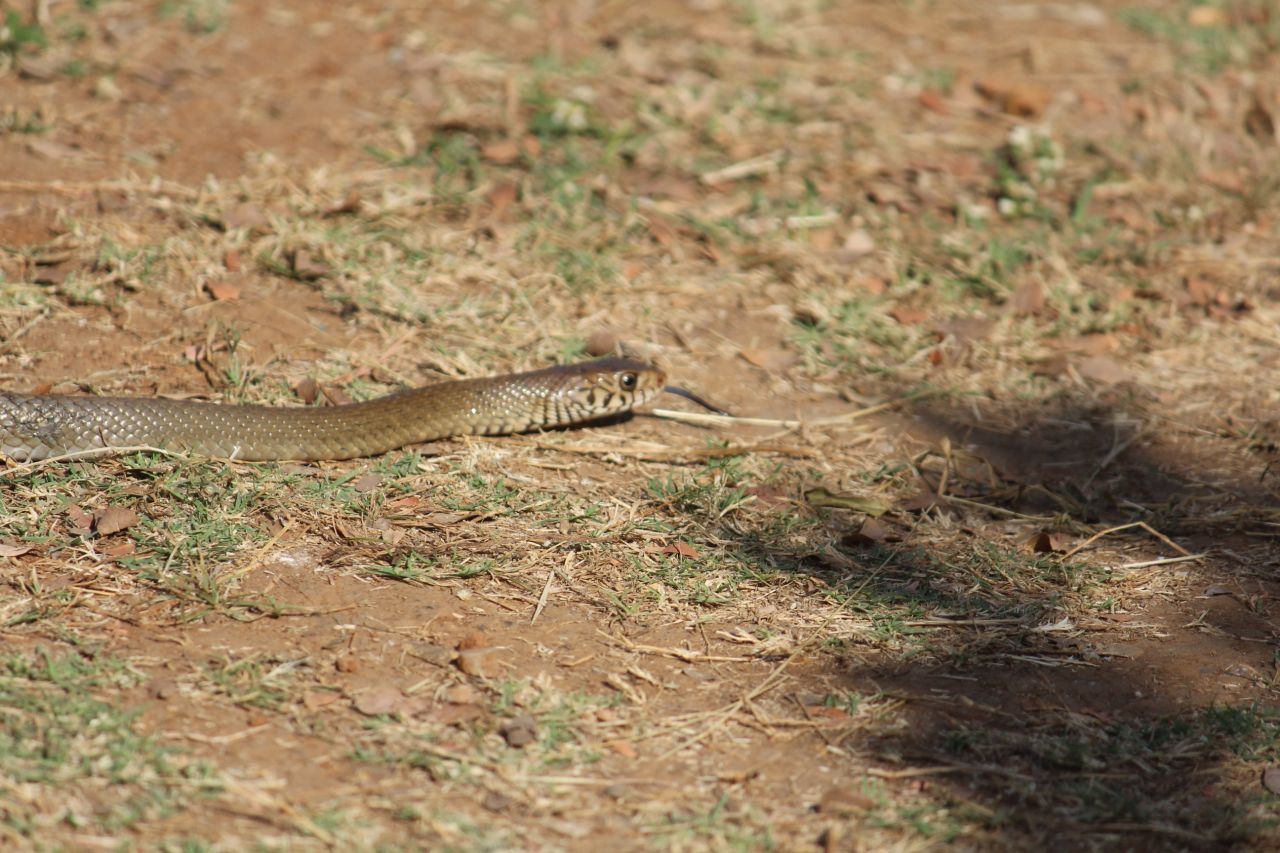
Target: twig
(686, 655)
(1156, 533)
(942, 623)
(1153, 828)
(761, 165)
(546, 588)
(93, 453)
(912, 772)
(1117, 447)
(998, 510)
(671, 454)
(1162, 561)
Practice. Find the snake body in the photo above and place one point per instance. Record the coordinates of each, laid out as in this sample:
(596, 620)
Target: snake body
(34, 427)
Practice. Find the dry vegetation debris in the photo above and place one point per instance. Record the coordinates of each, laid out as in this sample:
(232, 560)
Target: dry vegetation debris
(983, 560)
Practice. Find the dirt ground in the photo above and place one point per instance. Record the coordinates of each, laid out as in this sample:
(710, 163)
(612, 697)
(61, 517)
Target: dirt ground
(984, 561)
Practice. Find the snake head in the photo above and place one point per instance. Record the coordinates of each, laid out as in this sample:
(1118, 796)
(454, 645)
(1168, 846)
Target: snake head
(608, 386)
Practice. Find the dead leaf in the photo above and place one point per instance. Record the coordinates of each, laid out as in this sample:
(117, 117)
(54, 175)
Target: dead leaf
(965, 330)
(376, 701)
(308, 390)
(35, 67)
(664, 234)
(769, 496)
(872, 285)
(820, 497)
(769, 359)
(1045, 542)
(1206, 16)
(51, 150)
(502, 152)
(1099, 343)
(462, 694)
(443, 519)
(684, 549)
(9, 548)
(231, 260)
(1028, 299)
(452, 713)
(118, 548)
(888, 194)
(1259, 124)
(1224, 308)
(244, 215)
(221, 289)
(503, 195)
(1025, 100)
(307, 267)
(1224, 180)
(922, 500)
(908, 316)
(81, 521)
(932, 100)
(1199, 290)
(1100, 368)
(336, 396)
(1217, 589)
(350, 204)
(366, 483)
(870, 532)
(113, 519)
(315, 699)
(623, 747)
(844, 801)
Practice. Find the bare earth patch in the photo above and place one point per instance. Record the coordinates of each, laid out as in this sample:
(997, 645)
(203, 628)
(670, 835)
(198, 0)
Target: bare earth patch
(984, 560)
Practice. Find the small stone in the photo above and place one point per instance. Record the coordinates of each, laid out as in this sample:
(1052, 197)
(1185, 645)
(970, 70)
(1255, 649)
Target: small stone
(520, 731)
(602, 342)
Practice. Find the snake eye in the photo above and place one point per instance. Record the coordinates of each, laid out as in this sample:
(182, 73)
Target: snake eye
(627, 381)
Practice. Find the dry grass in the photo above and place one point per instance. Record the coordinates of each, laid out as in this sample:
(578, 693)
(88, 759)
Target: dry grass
(985, 559)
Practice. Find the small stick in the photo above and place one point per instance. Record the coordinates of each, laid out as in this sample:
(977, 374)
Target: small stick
(92, 453)
(1156, 533)
(1162, 561)
(763, 164)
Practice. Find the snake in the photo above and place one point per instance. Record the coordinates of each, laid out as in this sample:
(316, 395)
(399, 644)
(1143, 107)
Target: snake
(34, 427)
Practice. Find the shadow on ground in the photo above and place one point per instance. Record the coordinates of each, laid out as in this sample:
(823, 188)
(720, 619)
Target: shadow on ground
(1084, 700)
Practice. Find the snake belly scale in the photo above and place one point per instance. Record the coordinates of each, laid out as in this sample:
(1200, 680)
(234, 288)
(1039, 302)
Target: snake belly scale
(35, 427)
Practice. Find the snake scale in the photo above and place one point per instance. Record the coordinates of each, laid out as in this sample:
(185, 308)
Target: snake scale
(35, 427)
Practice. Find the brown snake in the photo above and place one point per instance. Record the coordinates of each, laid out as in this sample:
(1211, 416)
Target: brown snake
(35, 427)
